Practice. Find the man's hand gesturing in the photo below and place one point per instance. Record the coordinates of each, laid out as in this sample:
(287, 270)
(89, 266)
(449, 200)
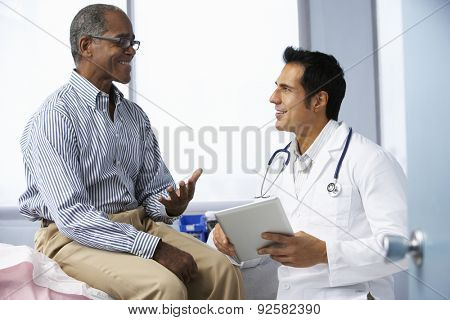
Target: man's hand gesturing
(179, 199)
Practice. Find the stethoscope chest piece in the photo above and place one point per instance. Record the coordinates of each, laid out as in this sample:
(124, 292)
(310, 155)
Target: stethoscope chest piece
(334, 189)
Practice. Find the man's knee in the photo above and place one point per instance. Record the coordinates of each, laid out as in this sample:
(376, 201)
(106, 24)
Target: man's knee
(169, 287)
(226, 279)
(224, 268)
(166, 287)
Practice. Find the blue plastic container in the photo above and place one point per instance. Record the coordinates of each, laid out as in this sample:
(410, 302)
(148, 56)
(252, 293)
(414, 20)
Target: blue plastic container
(195, 225)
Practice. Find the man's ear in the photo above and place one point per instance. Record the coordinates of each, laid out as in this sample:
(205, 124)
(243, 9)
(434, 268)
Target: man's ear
(320, 101)
(85, 46)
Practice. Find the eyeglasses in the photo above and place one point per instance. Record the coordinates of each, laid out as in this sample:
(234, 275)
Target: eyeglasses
(124, 43)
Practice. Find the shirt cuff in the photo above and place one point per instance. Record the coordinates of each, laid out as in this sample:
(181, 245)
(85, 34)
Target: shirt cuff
(332, 262)
(145, 245)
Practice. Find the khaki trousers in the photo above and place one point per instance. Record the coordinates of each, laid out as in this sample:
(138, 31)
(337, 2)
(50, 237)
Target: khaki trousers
(126, 276)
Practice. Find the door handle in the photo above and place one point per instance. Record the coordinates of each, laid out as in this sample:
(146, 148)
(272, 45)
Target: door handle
(397, 247)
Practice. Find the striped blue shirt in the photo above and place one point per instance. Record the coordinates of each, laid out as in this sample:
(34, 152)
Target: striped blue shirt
(81, 166)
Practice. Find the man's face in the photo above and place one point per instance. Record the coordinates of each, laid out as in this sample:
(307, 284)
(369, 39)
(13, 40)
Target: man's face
(110, 60)
(292, 112)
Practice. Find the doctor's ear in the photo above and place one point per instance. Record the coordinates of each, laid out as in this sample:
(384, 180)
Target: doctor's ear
(320, 101)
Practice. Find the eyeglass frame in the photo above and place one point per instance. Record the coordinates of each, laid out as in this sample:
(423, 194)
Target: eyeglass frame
(118, 40)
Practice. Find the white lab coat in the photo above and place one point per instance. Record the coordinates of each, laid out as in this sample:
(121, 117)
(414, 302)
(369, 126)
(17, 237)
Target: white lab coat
(372, 203)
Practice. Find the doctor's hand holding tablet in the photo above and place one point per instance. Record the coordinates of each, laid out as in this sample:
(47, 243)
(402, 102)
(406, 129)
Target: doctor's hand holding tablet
(299, 250)
(222, 242)
(262, 228)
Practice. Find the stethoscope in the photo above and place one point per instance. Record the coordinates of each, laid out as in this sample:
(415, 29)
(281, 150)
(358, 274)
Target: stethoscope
(333, 188)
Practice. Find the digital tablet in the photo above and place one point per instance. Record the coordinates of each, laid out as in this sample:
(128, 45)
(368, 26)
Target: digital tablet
(243, 225)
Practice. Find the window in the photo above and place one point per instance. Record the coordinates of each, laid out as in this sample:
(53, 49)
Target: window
(203, 74)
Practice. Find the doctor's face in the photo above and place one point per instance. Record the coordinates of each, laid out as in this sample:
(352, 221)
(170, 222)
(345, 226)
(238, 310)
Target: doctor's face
(291, 110)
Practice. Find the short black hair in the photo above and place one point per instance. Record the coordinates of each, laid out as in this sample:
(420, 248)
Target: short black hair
(322, 73)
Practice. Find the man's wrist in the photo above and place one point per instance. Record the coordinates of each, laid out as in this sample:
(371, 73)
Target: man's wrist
(157, 250)
(324, 255)
(172, 213)
(166, 212)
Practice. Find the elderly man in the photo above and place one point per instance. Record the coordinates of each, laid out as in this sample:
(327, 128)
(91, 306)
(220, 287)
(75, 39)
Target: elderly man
(96, 179)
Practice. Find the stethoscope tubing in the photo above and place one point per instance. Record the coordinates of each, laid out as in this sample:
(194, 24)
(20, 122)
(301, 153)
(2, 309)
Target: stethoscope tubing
(286, 163)
(341, 159)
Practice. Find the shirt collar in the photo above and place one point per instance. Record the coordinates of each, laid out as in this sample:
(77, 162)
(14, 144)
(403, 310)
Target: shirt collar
(94, 97)
(319, 142)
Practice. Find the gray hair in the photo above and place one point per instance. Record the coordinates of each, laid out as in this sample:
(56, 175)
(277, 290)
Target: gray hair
(88, 21)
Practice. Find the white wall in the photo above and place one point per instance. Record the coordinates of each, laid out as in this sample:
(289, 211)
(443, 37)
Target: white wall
(204, 75)
(345, 29)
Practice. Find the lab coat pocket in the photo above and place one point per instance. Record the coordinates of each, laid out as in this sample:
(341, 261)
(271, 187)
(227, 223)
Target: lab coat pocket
(328, 211)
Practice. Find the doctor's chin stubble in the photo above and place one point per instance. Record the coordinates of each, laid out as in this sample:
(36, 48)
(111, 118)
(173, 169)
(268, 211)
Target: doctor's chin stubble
(223, 149)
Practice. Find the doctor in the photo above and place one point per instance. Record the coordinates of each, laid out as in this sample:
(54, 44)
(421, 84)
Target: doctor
(336, 251)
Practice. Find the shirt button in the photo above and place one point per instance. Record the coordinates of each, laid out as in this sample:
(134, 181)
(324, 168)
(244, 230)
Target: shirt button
(286, 286)
(140, 252)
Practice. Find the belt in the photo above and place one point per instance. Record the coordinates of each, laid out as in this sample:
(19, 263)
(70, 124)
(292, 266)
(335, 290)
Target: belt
(45, 223)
